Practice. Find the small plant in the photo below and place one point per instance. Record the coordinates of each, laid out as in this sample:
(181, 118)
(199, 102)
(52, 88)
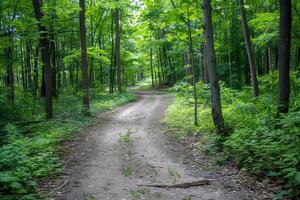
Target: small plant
(138, 194)
(126, 137)
(174, 174)
(126, 171)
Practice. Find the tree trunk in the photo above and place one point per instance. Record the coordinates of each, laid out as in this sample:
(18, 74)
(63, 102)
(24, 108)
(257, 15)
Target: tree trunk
(112, 66)
(28, 66)
(270, 60)
(205, 67)
(284, 55)
(118, 51)
(53, 63)
(44, 44)
(249, 49)
(36, 70)
(212, 68)
(9, 73)
(201, 64)
(191, 63)
(151, 67)
(84, 62)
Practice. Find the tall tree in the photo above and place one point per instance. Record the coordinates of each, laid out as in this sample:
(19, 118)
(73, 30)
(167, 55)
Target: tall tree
(191, 63)
(151, 67)
(84, 62)
(118, 50)
(9, 81)
(44, 44)
(212, 68)
(249, 49)
(284, 55)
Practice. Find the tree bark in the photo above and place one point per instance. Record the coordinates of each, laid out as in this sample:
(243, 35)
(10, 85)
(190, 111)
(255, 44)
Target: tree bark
(112, 64)
(9, 73)
(191, 63)
(44, 44)
(270, 60)
(28, 65)
(284, 55)
(249, 49)
(118, 51)
(205, 67)
(212, 68)
(84, 62)
(201, 64)
(36, 70)
(151, 67)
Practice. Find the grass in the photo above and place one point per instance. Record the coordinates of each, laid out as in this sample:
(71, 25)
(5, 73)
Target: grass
(29, 151)
(125, 137)
(127, 171)
(138, 194)
(174, 174)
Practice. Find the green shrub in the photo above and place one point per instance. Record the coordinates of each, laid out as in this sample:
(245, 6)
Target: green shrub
(259, 141)
(29, 151)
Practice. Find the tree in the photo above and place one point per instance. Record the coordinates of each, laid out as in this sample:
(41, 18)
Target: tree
(45, 45)
(249, 49)
(212, 68)
(284, 55)
(151, 67)
(84, 62)
(118, 50)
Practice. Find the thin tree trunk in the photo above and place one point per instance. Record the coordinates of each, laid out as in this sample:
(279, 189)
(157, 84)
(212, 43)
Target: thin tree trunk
(24, 85)
(191, 62)
(249, 49)
(36, 70)
(118, 51)
(212, 68)
(158, 70)
(84, 62)
(112, 75)
(284, 55)
(151, 67)
(28, 66)
(9, 73)
(270, 61)
(205, 67)
(44, 44)
(201, 64)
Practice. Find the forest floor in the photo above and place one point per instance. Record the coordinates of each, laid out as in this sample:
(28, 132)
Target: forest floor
(127, 148)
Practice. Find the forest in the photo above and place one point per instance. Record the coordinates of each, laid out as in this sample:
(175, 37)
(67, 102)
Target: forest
(91, 80)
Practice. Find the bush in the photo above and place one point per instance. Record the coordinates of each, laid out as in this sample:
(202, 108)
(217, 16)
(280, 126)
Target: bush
(259, 141)
(29, 152)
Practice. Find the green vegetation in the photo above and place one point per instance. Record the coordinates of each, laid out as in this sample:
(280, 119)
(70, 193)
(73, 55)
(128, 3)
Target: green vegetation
(257, 139)
(127, 171)
(174, 174)
(125, 137)
(55, 52)
(138, 194)
(29, 151)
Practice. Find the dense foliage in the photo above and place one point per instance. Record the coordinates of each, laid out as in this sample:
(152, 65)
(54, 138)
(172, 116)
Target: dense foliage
(259, 140)
(52, 52)
(28, 152)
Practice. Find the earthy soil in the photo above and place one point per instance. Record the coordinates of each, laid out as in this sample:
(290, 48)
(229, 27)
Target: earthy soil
(127, 148)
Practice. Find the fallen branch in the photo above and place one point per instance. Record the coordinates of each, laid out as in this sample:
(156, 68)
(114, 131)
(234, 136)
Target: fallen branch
(183, 185)
(61, 186)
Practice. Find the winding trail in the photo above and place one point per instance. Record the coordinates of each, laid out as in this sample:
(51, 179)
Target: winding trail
(128, 148)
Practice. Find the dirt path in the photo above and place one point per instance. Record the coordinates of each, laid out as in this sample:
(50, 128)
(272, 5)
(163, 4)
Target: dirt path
(128, 148)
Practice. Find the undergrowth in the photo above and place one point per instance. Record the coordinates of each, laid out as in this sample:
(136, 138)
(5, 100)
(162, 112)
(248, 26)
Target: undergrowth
(29, 146)
(259, 141)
